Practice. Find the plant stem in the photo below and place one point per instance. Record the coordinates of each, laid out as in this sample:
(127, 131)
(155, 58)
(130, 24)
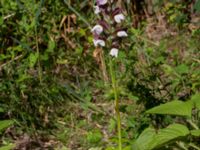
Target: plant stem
(38, 53)
(118, 117)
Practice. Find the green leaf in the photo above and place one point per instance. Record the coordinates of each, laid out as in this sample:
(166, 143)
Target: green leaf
(33, 57)
(182, 69)
(196, 99)
(195, 132)
(149, 140)
(7, 147)
(5, 124)
(173, 108)
(166, 135)
(197, 6)
(51, 46)
(168, 69)
(1, 110)
(94, 137)
(1, 20)
(144, 139)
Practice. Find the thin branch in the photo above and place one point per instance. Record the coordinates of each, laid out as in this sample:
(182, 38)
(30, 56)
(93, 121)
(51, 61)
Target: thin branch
(8, 16)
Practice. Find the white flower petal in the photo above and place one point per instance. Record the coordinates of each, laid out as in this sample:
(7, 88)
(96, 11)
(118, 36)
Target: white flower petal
(114, 52)
(122, 34)
(99, 42)
(98, 29)
(119, 18)
(102, 2)
(97, 10)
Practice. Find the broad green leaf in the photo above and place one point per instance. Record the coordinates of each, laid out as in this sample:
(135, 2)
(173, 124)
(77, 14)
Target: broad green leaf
(196, 99)
(195, 132)
(149, 139)
(5, 124)
(8, 147)
(173, 108)
(144, 139)
(166, 135)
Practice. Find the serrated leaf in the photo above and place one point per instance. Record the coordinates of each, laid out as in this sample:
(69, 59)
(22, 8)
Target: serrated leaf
(173, 108)
(164, 136)
(195, 132)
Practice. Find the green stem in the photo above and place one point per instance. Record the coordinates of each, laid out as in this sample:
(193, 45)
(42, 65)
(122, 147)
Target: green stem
(38, 53)
(118, 117)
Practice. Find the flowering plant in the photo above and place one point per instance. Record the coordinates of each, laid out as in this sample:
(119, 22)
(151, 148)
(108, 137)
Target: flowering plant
(109, 32)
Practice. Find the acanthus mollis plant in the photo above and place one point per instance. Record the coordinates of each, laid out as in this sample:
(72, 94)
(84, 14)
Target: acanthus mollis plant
(108, 34)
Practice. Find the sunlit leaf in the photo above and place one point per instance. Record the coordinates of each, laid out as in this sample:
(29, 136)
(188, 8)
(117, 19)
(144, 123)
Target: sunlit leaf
(196, 99)
(168, 134)
(173, 108)
(195, 132)
(149, 139)
(144, 139)
(5, 124)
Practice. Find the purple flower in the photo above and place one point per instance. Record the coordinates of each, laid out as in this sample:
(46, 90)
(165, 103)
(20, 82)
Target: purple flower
(101, 2)
(108, 29)
(122, 34)
(97, 9)
(114, 52)
(104, 24)
(119, 18)
(97, 29)
(99, 42)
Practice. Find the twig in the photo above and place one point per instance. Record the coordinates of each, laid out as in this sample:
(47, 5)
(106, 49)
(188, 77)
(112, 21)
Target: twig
(8, 16)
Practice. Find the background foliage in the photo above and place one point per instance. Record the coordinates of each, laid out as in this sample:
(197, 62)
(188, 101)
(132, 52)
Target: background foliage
(52, 87)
